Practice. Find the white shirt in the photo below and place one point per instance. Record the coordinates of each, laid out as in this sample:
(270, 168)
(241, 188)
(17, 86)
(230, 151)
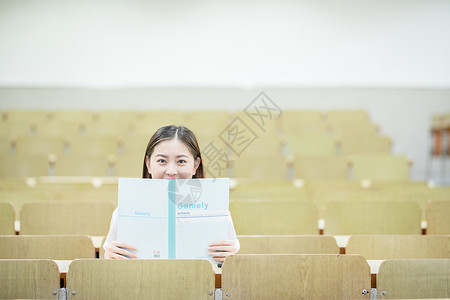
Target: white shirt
(112, 235)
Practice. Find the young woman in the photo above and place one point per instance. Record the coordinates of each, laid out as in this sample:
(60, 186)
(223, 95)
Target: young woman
(172, 153)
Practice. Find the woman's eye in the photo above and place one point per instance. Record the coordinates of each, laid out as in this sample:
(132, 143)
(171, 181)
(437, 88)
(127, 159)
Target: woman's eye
(161, 161)
(182, 161)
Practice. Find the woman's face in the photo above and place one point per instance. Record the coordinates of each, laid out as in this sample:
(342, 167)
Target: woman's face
(171, 159)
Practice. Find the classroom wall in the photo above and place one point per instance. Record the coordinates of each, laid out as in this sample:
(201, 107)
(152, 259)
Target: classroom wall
(247, 43)
(389, 57)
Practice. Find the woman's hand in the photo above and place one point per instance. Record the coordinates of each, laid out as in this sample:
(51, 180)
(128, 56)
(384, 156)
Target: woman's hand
(220, 250)
(117, 250)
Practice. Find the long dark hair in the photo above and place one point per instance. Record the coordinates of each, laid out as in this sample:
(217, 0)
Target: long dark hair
(170, 132)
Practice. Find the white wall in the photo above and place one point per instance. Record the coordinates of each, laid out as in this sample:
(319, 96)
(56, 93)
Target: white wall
(245, 43)
(389, 57)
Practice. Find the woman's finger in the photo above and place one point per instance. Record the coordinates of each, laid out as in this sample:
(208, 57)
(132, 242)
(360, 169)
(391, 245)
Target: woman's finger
(223, 248)
(123, 245)
(117, 256)
(120, 250)
(222, 243)
(220, 256)
(219, 259)
(123, 251)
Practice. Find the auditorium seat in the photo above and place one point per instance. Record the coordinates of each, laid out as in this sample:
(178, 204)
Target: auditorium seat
(150, 121)
(7, 218)
(363, 144)
(39, 145)
(357, 129)
(380, 167)
(311, 144)
(415, 191)
(260, 167)
(389, 246)
(21, 166)
(291, 276)
(100, 145)
(113, 122)
(303, 121)
(301, 116)
(266, 189)
(264, 123)
(323, 192)
(72, 116)
(85, 165)
(130, 165)
(140, 279)
(56, 247)
(22, 122)
(287, 244)
(91, 189)
(320, 167)
(438, 221)
(414, 279)
(29, 279)
(11, 128)
(372, 217)
(61, 128)
(57, 217)
(61, 189)
(255, 217)
(25, 115)
(20, 196)
(258, 158)
(304, 127)
(207, 125)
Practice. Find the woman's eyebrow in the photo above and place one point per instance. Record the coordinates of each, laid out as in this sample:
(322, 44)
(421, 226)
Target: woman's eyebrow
(165, 156)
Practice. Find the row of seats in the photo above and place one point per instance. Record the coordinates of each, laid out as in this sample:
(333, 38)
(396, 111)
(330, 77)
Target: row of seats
(287, 117)
(296, 145)
(250, 217)
(243, 277)
(340, 217)
(381, 167)
(203, 123)
(372, 247)
(317, 192)
(285, 147)
(76, 188)
(280, 151)
(321, 192)
(56, 217)
(376, 167)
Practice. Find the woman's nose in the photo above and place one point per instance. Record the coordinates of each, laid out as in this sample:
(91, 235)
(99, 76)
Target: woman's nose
(171, 170)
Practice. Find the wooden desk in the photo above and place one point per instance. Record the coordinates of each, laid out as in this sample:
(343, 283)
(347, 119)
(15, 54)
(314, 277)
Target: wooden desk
(64, 265)
(374, 267)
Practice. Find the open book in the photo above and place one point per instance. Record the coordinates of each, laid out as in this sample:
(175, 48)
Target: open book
(167, 218)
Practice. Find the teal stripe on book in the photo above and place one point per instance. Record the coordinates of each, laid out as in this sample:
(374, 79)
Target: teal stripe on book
(172, 230)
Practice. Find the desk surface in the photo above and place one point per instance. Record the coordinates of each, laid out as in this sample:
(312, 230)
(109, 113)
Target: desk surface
(64, 265)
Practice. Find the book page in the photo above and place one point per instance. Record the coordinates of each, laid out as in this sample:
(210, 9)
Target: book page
(177, 219)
